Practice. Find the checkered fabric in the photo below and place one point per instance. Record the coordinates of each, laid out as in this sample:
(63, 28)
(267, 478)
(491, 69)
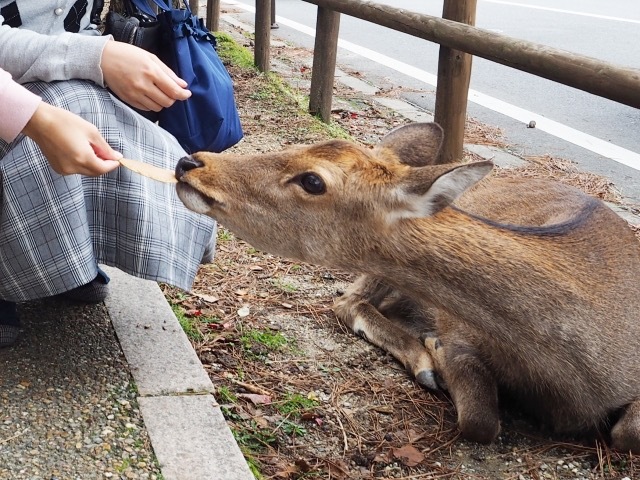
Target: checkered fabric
(55, 229)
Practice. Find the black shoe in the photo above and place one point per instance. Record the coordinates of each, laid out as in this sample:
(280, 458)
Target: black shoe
(9, 324)
(93, 292)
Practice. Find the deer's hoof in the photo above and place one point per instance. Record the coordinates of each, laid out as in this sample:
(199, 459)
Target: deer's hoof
(480, 429)
(428, 379)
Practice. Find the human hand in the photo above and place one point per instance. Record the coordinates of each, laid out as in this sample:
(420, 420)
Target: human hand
(70, 143)
(140, 78)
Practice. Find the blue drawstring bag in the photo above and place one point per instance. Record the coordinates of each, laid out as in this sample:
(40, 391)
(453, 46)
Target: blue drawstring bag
(209, 119)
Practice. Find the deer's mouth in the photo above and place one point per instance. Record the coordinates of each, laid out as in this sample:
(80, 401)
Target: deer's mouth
(194, 199)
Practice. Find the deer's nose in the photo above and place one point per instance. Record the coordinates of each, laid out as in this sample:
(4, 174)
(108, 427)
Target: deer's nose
(185, 164)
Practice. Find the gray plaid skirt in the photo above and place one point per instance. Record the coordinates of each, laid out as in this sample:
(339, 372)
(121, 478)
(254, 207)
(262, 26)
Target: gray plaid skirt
(55, 230)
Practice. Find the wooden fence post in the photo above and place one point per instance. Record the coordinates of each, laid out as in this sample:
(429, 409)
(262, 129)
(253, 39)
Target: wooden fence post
(454, 73)
(213, 15)
(194, 5)
(274, 25)
(324, 63)
(263, 35)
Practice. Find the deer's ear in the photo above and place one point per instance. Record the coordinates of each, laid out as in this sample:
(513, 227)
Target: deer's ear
(416, 144)
(427, 190)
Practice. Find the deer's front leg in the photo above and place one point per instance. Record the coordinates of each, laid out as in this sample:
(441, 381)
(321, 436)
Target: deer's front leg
(358, 309)
(471, 384)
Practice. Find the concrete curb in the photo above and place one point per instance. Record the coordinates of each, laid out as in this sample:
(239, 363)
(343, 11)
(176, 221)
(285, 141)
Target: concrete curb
(188, 432)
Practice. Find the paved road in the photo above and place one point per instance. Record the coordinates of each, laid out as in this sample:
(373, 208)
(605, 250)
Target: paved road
(607, 129)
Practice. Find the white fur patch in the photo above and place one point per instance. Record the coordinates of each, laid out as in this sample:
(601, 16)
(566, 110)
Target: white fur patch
(192, 199)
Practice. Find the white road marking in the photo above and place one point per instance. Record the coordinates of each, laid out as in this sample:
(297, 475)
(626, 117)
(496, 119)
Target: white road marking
(559, 130)
(560, 10)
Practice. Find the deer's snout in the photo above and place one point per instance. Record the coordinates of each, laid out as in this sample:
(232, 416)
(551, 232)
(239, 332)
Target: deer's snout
(185, 164)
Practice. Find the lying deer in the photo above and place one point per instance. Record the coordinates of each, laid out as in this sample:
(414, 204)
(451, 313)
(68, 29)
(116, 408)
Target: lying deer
(478, 284)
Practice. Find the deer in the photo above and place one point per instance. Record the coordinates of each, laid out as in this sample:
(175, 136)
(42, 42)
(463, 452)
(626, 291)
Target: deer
(481, 285)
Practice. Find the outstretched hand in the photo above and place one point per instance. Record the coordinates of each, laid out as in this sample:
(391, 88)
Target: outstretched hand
(140, 78)
(70, 143)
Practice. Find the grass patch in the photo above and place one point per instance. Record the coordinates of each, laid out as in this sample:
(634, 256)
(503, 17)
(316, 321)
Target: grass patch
(268, 339)
(224, 235)
(253, 464)
(293, 429)
(189, 324)
(230, 51)
(225, 395)
(286, 287)
(295, 404)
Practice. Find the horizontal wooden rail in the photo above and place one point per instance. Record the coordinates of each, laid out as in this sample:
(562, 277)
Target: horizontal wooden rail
(621, 84)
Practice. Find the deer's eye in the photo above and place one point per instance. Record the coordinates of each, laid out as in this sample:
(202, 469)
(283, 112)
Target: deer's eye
(312, 183)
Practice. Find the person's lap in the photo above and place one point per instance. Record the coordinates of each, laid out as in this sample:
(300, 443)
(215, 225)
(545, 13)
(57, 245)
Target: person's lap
(54, 230)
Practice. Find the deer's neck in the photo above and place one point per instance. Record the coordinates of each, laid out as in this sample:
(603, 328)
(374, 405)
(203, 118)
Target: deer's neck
(452, 256)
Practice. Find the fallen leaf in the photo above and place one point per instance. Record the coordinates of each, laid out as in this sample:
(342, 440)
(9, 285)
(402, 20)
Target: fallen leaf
(287, 472)
(338, 469)
(388, 409)
(303, 465)
(255, 398)
(207, 298)
(408, 455)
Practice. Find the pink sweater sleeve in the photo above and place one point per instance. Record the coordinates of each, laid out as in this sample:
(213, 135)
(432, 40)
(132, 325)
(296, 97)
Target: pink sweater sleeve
(17, 106)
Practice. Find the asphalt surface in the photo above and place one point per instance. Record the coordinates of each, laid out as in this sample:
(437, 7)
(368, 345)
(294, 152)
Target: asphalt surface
(110, 391)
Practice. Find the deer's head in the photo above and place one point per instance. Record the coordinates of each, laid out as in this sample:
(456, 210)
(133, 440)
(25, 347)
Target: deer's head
(330, 202)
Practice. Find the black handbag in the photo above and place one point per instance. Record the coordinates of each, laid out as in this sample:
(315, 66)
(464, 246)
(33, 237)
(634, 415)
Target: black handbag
(135, 28)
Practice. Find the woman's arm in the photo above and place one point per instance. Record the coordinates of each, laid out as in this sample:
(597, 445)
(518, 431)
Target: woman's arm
(133, 74)
(31, 56)
(18, 106)
(70, 143)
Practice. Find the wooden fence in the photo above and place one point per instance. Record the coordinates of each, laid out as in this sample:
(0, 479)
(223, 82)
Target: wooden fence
(459, 40)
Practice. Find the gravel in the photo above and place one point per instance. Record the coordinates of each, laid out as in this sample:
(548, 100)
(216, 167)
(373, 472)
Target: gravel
(67, 401)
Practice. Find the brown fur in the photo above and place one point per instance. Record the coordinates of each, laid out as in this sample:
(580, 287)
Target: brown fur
(476, 285)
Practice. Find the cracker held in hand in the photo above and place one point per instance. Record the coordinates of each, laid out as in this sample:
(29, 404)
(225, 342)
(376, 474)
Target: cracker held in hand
(150, 171)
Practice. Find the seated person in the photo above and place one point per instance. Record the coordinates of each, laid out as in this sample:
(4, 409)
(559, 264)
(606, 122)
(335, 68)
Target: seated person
(57, 226)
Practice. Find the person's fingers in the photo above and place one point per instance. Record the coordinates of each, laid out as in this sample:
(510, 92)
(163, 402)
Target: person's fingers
(101, 166)
(171, 74)
(102, 149)
(149, 104)
(158, 97)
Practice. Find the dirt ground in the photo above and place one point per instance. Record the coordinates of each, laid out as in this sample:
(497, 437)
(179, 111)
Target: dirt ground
(306, 398)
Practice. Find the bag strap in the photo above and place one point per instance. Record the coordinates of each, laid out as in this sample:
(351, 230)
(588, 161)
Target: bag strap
(143, 5)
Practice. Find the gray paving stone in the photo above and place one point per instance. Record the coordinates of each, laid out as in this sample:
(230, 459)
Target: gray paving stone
(355, 83)
(405, 109)
(497, 155)
(191, 439)
(161, 358)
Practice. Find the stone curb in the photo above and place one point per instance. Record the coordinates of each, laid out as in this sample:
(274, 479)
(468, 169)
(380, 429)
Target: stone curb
(188, 433)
